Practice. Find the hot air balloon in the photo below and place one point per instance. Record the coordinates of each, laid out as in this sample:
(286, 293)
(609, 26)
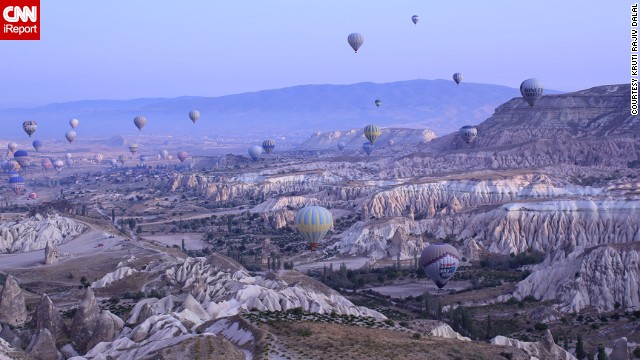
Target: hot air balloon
(74, 123)
(469, 133)
(12, 165)
(457, 77)
(113, 162)
(313, 222)
(164, 154)
(140, 122)
(355, 40)
(98, 158)
(46, 164)
(133, 148)
(254, 152)
(22, 157)
(368, 148)
(68, 156)
(268, 146)
(69, 162)
(12, 147)
(29, 127)
(440, 262)
(16, 182)
(169, 157)
(143, 159)
(58, 165)
(415, 19)
(341, 145)
(372, 132)
(37, 144)
(33, 196)
(378, 102)
(182, 156)
(70, 135)
(531, 90)
(122, 159)
(194, 115)
(391, 142)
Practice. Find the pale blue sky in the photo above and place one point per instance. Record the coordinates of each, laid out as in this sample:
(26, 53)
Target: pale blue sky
(131, 49)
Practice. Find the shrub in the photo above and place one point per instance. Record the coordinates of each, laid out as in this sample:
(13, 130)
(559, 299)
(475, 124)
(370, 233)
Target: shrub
(541, 326)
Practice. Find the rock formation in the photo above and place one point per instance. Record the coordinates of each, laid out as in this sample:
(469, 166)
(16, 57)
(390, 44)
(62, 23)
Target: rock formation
(84, 320)
(51, 253)
(43, 346)
(36, 232)
(620, 350)
(12, 307)
(48, 317)
(107, 327)
(543, 349)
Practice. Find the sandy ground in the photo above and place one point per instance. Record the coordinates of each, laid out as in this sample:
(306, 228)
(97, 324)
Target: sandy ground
(84, 244)
(418, 287)
(192, 241)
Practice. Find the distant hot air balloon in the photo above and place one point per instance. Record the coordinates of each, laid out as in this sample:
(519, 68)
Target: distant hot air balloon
(143, 158)
(415, 19)
(46, 164)
(74, 123)
(182, 156)
(113, 162)
(194, 115)
(368, 148)
(33, 196)
(68, 156)
(469, 133)
(98, 158)
(29, 127)
(140, 122)
(457, 77)
(37, 144)
(268, 146)
(391, 142)
(22, 157)
(169, 157)
(355, 40)
(58, 165)
(69, 162)
(531, 90)
(12, 147)
(16, 182)
(440, 262)
(133, 148)
(254, 152)
(122, 159)
(164, 154)
(340, 145)
(372, 132)
(70, 135)
(378, 102)
(313, 222)
(12, 165)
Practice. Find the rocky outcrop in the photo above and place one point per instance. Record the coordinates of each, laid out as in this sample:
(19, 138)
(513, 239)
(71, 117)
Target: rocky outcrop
(13, 310)
(436, 328)
(43, 346)
(36, 232)
(224, 293)
(51, 253)
(597, 277)
(48, 317)
(353, 139)
(620, 350)
(119, 274)
(107, 327)
(543, 349)
(84, 320)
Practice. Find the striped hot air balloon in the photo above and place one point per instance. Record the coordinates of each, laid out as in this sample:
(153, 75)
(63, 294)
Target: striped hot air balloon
(340, 145)
(16, 182)
(313, 222)
(355, 40)
(194, 115)
(457, 77)
(268, 146)
(469, 133)
(532, 90)
(372, 132)
(254, 152)
(440, 262)
(182, 156)
(29, 127)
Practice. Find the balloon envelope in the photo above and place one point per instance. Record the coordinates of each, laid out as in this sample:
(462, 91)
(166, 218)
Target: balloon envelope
(98, 157)
(140, 122)
(46, 164)
(12, 147)
(457, 77)
(368, 148)
(182, 156)
(415, 19)
(254, 152)
(37, 144)
(164, 154)
(440, 262)
(70, 135)
(133, 148)
(194, 115)
(378, 102)
(372, 132)
(313, 222)
(74, 123)
(355, 40)
(29, 127)
(532, 90)
(469, 133)
(340, 145)
(268, 146)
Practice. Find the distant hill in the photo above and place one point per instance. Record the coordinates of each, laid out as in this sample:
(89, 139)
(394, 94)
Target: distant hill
(296, 111)
(354, 138)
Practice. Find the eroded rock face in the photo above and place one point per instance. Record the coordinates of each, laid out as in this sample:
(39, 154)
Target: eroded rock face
(36, 232)
(51, 253)
(43, 346)
(107, 327)
(12, 307)
(84, 320)
(47, 316)
(544, 349)
(620, 350)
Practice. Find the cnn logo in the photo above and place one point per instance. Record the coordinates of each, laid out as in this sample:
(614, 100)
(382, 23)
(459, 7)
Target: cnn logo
(20, 20)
